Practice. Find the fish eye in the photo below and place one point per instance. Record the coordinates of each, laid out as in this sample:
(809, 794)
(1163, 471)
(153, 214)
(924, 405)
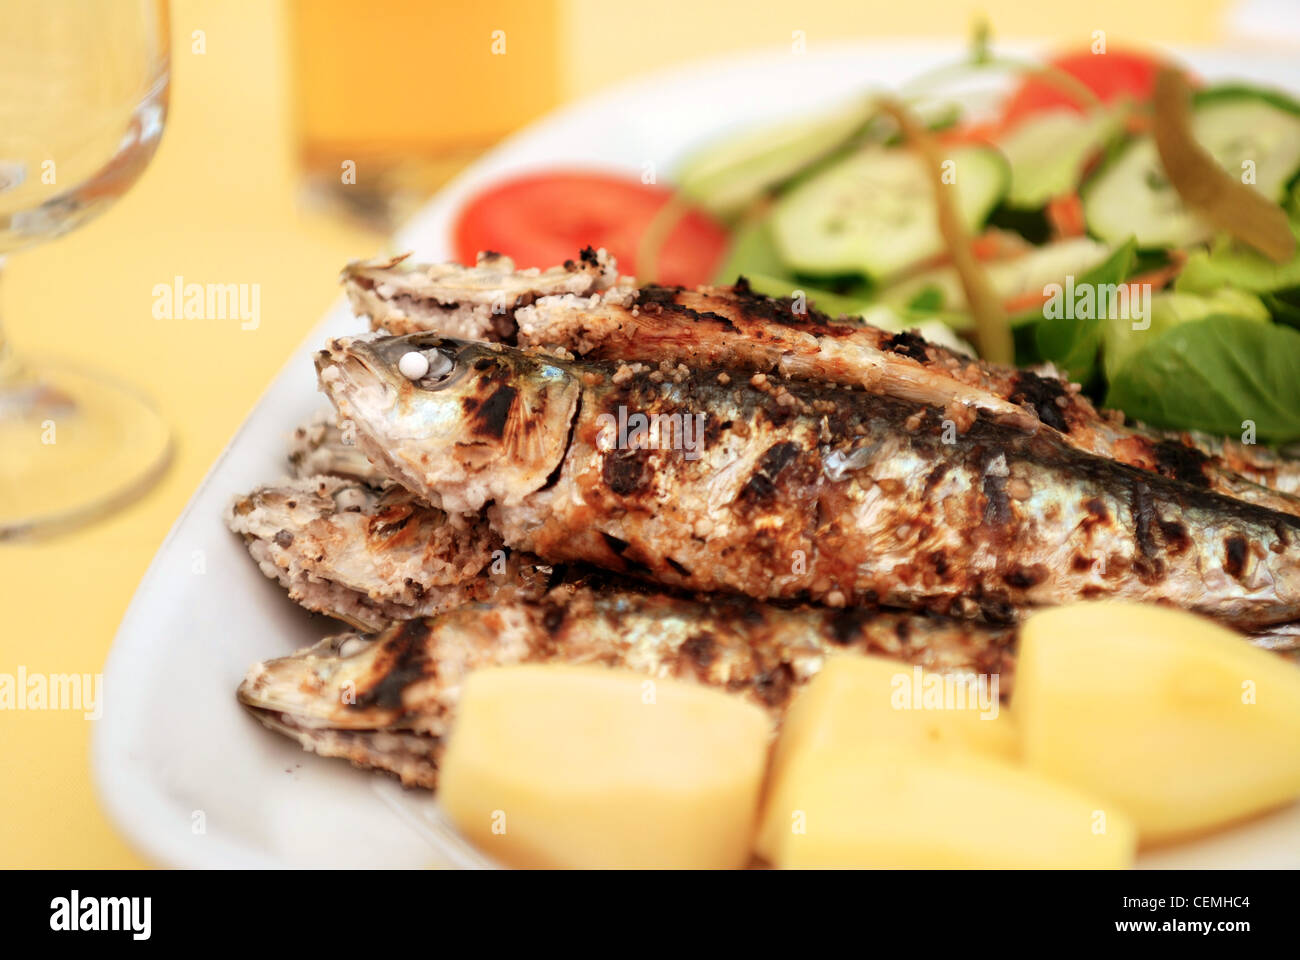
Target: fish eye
(425, 364)
(427, 367)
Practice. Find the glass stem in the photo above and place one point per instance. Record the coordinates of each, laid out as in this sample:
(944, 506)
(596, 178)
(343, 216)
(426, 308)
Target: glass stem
(4, 344)
(9, 366)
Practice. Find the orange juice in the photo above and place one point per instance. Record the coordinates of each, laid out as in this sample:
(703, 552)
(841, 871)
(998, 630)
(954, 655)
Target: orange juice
(407, 91)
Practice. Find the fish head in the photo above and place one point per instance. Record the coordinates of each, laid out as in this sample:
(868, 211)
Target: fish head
(347, 696)
(405, 677)
(484, 422)
(351, 681)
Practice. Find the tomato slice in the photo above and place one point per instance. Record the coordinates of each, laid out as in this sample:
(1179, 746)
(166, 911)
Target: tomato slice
(543, 219)
(1110, 75)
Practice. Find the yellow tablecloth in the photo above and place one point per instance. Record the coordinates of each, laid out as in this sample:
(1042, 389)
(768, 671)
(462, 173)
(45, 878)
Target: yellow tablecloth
(219, 205)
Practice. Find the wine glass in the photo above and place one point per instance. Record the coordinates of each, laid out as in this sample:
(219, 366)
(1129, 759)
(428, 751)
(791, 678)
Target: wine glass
(83, 99)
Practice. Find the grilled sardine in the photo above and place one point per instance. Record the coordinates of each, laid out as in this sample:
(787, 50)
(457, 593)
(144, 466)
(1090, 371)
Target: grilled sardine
(371, 558)
(783, 489)
(735, 327)
(387, 700)
(477, 302)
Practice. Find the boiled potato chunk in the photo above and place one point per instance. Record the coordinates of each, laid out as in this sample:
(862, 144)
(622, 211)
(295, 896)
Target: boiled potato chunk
(856, 699)
(872, 771)
(860, 700)
(895, 806)
(561, 766)
(1176, 720)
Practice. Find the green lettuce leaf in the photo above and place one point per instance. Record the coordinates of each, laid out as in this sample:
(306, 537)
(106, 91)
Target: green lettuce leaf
(1214, 375)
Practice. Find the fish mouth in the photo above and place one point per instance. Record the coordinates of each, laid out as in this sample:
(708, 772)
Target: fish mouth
(410, 756)
(296, 724)
(344, 371)
(352, 365)
(278, 687)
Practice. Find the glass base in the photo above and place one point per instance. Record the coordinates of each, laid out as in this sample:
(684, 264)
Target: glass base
(73, 446)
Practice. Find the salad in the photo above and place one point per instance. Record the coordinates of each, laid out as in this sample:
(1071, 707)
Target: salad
(1110, 215)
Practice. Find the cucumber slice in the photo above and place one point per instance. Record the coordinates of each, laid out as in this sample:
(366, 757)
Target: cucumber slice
(1131, 197)
(725, 176)
(1238, 91)
(1010, 279)
(1049, 151)
(1230, 263)
(874, 212)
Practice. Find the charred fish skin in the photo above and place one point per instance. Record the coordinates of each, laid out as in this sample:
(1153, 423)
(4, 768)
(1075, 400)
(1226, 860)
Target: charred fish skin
(735, 327)
(343, 695)
(837, 496)
(370, 558)
(1253, 461)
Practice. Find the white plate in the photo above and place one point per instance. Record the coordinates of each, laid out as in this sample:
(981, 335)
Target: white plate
(190, 778)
